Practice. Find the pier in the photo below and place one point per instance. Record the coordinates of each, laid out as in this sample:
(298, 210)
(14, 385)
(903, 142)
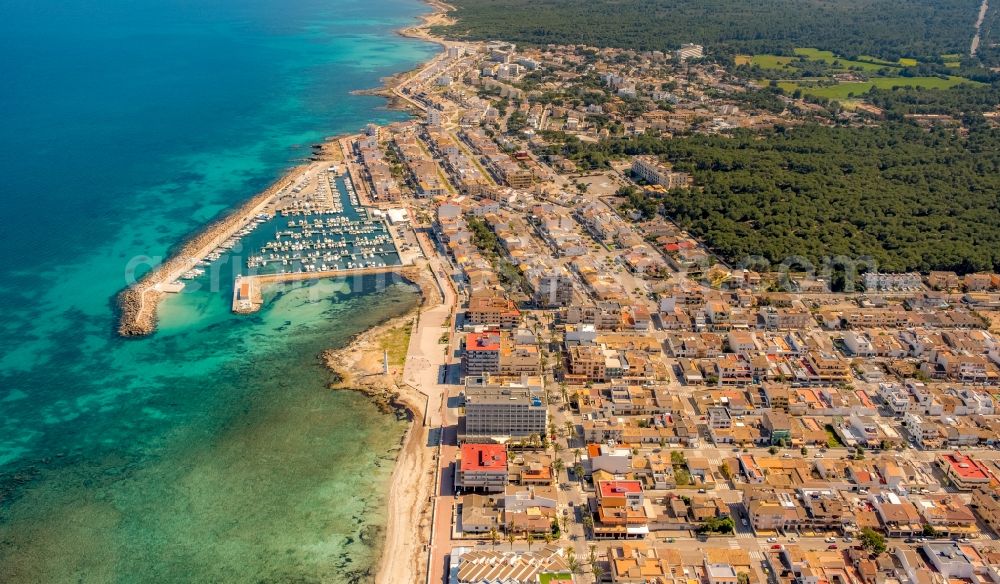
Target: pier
(316, 236)
(137, 303)
(247, 297)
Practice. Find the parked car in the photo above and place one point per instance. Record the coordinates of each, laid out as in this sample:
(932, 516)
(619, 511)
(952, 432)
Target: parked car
(832, 546)
(772, 539)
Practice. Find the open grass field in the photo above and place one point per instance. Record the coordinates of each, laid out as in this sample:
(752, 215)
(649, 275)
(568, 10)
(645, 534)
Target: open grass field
(868, 64)
(952, 60)
(767, 61)
(396, 341)
(770, 61)
(876, 60)
(848, 90)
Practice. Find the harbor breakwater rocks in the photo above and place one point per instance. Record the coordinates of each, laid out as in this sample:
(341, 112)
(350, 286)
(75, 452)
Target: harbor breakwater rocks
(137, 303)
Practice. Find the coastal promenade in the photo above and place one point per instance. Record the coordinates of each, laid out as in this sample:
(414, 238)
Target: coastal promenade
(420, 500)
(415, 500)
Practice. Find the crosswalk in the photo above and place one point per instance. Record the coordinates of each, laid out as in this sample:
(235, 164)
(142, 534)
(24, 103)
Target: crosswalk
(744, 535)
(757, 556)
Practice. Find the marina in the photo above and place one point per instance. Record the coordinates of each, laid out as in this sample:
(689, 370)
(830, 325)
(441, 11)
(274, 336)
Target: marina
(318, 226)
(314, 224)
(310, 223)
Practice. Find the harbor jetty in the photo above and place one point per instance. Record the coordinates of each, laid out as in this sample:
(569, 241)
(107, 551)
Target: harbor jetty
(321, 229)
(137, 304)
(247, 297)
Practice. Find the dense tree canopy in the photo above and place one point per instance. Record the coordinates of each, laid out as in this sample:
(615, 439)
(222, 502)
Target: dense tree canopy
(958, 101)
(909, 198)
(887, 29)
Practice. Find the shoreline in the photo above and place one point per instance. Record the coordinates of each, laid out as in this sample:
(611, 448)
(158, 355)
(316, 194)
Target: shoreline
(356, 364)
(409, 522)
(137, 303)
(402, 555)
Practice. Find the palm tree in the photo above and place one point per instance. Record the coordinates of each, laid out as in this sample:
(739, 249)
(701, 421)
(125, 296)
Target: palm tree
(570, 429)
(588, 523)
(595, 567)
(511, 537)
(494, 537)
(577, 453)
(530, 538)
(556, 447)
(571, 562)
(548, 537)
(558, 465)
(578, 471)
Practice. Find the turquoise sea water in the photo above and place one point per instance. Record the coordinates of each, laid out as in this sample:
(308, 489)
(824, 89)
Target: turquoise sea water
(209, 452)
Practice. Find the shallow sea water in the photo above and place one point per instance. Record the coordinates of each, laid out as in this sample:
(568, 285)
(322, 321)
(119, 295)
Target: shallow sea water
(211, 451)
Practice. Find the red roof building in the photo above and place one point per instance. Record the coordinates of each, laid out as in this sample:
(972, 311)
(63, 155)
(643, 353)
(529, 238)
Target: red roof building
(619, 489)
(620, 510)
(484, 341)
(482, 467)
(964, 472)
(482, 352)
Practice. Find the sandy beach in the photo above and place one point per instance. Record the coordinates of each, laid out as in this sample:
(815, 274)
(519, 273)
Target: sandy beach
(359, 365)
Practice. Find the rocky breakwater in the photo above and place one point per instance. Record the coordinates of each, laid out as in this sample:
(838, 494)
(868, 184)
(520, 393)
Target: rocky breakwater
(137, 303)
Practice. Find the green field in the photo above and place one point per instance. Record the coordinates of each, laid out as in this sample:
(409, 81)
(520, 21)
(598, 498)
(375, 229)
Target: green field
(767, 61)
(952, 60)
(856, 89)
(877, 61)
(771, 61)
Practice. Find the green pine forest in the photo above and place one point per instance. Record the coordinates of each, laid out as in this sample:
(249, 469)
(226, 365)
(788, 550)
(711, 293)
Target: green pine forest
(888, 29)
(908, 198)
